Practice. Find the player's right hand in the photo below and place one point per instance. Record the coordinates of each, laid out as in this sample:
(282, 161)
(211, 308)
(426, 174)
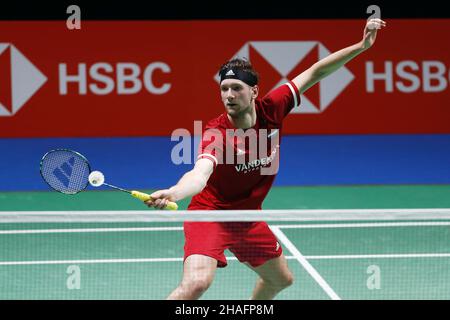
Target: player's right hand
(160, 199)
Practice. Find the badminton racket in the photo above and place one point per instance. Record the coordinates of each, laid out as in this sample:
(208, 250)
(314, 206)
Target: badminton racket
(69, 172)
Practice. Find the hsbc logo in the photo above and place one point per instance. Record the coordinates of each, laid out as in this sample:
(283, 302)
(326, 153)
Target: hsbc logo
(123, 78)
(279, 61)
(19, 79)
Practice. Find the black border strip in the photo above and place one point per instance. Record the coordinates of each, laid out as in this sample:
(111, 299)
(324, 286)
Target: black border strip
(218, 9)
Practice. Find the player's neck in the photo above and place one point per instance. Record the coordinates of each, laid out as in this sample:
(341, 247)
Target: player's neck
(245, 120)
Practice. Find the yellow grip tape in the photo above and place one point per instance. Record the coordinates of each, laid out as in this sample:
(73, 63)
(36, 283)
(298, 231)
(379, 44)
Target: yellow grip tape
(144, 197)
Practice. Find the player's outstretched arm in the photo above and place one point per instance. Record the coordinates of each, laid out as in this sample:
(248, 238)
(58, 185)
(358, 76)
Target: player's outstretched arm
(189, 185)
(334, 61)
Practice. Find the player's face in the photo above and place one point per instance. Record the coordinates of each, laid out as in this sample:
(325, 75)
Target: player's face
(237, 96)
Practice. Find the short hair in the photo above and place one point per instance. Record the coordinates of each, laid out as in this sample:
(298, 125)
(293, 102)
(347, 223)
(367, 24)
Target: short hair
(240, 64)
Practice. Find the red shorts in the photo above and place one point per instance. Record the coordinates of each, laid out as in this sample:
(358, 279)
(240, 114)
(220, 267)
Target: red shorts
(251, 242)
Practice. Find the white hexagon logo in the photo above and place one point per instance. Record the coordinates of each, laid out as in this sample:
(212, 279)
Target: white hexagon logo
(19, 79)
(283, 60)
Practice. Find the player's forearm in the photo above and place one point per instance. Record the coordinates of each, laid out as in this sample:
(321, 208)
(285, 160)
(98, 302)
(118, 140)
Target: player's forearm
(189, 185)
(334, 61)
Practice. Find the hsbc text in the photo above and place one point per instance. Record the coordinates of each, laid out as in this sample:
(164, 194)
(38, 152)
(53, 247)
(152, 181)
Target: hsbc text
(407, 76)
(128, 79)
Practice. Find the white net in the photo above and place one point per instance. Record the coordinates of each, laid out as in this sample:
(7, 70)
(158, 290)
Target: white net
(332, 254)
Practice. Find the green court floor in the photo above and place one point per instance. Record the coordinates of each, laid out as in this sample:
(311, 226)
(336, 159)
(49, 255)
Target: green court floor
(344, 260)
(407, 196)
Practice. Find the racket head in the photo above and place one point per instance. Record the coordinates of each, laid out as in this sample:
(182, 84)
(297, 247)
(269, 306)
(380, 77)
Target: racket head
(65, 170)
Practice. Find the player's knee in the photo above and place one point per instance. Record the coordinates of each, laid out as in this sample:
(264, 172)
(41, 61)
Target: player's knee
(279, 283)
(284, 282)
(288, 280)
(197, 286)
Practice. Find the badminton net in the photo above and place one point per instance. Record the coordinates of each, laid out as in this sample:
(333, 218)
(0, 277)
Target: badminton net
(333, 254)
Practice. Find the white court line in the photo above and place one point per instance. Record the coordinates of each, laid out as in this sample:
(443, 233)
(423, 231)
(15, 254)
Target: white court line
(140, 260)
(281, 226)
(87, 230)
(364, 225)
(91, 261)
(382, 256)
(94, 261)
(308, 267)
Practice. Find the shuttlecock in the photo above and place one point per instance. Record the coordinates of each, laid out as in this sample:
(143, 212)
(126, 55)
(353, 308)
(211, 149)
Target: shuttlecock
(96, 178)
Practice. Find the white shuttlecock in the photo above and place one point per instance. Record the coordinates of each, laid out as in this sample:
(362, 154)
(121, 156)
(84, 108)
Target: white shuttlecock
(96, 178)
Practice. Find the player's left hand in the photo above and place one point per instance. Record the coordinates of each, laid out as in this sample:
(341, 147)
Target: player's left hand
(370, 32)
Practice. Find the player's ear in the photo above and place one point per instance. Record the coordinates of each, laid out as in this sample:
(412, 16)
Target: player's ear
(255, 91)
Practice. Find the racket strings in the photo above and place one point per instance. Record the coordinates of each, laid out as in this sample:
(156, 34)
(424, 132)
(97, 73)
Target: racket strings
(65, 171)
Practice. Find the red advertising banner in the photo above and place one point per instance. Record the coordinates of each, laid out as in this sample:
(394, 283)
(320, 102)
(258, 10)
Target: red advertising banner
(140, 78)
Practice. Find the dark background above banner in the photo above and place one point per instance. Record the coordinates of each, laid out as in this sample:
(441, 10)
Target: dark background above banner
(185, 10)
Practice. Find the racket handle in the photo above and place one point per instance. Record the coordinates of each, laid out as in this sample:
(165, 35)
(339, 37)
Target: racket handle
(144, 197)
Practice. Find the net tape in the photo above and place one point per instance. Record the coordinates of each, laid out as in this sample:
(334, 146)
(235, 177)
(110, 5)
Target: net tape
(224, 215)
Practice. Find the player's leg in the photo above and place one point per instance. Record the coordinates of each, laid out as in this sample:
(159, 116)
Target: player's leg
(204, 247)
(260, 250)
(198, 274)
(274, 276)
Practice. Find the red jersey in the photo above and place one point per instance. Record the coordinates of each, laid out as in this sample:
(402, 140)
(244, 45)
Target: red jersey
(245, 160)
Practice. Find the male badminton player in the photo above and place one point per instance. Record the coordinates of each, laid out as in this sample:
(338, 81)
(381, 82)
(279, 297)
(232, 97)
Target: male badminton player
(217, 185)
